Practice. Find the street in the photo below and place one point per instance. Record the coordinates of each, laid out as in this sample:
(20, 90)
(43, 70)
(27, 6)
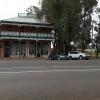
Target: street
(50, 80)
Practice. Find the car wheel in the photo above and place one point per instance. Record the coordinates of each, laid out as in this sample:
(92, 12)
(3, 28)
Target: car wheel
(58, 58)
(70, 57)
(80, 57)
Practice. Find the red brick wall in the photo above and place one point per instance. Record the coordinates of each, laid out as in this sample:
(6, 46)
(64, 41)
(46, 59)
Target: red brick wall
(1, 49)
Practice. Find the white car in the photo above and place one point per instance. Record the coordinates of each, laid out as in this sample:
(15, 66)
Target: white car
(78, 55)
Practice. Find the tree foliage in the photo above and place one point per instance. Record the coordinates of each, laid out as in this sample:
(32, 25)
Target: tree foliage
(87, 9)
(71, 20)
(97, 28)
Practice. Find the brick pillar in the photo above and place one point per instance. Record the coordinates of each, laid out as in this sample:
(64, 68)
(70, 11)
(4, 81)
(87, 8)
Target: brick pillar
(2, 49)
(27, 50)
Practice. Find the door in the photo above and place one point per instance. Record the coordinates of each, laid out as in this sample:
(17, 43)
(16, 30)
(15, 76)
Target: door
(7, 49)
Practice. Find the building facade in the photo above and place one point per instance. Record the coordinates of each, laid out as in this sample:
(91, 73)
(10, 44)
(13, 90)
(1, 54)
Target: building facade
(25, 36)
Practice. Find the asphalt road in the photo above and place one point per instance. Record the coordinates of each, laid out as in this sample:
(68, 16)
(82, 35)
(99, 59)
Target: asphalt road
(50, 80)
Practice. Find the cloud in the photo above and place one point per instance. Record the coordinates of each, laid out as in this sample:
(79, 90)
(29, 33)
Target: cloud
(10, 8)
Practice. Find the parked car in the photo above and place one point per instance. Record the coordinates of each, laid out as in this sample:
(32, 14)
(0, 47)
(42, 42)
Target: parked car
(57, 56)
(78, 55)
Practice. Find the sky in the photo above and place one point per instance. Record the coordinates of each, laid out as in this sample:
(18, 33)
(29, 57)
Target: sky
(11, 8)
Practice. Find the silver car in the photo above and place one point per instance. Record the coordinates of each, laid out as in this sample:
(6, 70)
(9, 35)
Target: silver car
(78, 55)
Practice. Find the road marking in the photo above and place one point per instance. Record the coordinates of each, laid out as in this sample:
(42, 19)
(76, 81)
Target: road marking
(45, 71)
(74, 66)
(21, 67)
(50, 67)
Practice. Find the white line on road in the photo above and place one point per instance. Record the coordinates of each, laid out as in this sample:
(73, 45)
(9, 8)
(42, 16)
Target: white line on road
(75, 66)
(20, 67)
(50, 67)
(45, 71)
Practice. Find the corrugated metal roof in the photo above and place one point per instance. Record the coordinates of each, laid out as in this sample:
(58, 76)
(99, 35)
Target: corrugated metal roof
(28, 20)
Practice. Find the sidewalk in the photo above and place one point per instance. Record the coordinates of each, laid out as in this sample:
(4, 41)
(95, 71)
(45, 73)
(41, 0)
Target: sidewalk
(22, 59)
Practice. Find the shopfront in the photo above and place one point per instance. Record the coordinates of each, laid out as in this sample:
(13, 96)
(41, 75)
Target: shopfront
(25, 37)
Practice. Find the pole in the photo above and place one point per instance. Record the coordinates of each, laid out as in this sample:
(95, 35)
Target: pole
(0, 31)
(19, 41)
(92, 40)
(37, 42)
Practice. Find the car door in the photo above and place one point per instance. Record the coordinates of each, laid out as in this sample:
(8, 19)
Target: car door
(74, 54)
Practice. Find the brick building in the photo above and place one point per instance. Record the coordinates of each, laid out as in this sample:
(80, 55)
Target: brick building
(25, 36)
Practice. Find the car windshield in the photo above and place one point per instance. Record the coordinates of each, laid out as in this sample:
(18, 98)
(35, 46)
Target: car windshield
(61, 53)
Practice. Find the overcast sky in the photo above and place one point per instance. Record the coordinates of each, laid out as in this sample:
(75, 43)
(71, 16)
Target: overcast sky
(11, 8)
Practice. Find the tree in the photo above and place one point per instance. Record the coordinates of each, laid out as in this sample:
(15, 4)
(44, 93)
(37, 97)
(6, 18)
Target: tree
(86, 26)
(34, 10)
(63, 14)
(71, 20)
(97, 29)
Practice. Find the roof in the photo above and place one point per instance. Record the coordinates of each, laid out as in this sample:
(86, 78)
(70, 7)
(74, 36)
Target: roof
(25, 19)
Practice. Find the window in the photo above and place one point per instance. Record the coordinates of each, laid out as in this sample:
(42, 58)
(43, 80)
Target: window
(73, 52)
